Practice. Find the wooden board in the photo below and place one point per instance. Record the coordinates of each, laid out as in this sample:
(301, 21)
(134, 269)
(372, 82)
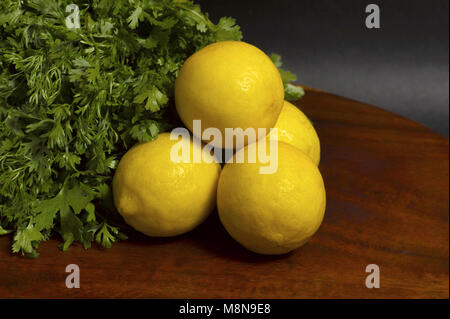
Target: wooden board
(388, 200)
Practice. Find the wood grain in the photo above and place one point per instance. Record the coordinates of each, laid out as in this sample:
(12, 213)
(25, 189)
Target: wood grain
(388, 199)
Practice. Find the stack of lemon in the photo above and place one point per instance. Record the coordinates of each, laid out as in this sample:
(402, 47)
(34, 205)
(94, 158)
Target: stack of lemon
(228, 85)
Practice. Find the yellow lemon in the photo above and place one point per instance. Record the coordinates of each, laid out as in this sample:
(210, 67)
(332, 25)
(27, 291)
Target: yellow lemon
(229, 84)
(272, 213)
(296, 129)
(160, 197)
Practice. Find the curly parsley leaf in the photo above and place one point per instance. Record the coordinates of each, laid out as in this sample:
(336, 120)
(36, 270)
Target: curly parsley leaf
(291, 92)
(25, 240)
(106, 235)
(4, 231)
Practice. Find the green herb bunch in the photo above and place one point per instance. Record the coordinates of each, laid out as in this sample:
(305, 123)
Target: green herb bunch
(72, 101)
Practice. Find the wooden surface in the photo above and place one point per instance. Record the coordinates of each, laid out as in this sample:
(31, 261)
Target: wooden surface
(388, 201)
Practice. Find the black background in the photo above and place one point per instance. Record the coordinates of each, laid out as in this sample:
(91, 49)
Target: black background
(401, 67)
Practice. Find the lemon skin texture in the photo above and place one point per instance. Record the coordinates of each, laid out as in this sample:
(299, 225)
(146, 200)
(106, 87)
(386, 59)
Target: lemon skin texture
(229, 84)
(296, 129)
(159, 197)
(274, 213)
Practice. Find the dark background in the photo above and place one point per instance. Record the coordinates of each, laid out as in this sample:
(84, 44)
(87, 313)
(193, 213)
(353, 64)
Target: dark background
(402, 67)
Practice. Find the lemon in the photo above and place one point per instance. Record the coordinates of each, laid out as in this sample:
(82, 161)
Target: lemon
(296, 129)
(272, 213)
(229, 84)
(160, 197)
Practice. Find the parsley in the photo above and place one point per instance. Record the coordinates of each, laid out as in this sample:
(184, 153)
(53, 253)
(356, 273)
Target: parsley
(291, 92)
(72, 101)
